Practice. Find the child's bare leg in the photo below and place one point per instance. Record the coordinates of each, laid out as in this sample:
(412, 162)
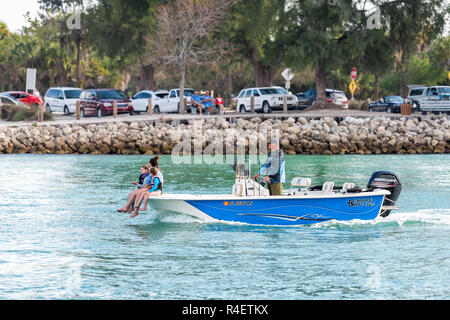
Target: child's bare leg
(146, 201)
(138, 204)
(131, 198)
(153, 194)
(136, 199)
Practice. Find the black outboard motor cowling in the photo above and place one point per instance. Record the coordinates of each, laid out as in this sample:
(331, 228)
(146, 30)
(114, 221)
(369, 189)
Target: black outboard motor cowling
(388, 181)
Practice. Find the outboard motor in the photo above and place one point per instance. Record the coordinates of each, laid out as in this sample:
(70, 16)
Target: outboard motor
(388, 181)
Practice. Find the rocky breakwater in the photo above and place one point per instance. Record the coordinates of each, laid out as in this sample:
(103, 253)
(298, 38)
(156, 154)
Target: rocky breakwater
(373, 135)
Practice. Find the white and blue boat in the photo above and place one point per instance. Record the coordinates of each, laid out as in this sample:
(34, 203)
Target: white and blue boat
(250, 202)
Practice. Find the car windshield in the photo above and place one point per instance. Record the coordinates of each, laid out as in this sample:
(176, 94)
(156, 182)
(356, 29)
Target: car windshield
(444, 90)
(6, 99)
(283, 90)
(72, 94)
(111, 94)
(187, 93)
(339, 95)
(10, 96)
(271, 91)
(393, 99)
(416, 92)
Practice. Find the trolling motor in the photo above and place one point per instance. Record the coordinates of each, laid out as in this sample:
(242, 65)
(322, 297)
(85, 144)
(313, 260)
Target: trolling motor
(388, 181)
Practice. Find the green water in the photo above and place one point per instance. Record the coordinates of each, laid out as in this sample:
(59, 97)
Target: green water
(62, 239)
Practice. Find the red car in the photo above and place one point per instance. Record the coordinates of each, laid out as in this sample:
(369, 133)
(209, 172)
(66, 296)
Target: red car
(26, 98)
(99, 102)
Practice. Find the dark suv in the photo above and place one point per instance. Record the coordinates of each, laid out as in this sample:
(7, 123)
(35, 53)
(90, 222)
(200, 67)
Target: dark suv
(99, 102)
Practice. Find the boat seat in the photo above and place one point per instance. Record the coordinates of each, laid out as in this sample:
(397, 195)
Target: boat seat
(300, 182)
(347, 186)
(328, 186)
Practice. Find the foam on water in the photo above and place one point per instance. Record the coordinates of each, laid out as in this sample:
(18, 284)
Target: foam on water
(440, 217)
(178, 218)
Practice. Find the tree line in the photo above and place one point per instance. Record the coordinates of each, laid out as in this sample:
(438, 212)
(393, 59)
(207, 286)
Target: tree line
(226, 45)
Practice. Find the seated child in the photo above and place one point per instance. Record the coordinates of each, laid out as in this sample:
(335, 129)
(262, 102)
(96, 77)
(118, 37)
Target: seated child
(129, 206)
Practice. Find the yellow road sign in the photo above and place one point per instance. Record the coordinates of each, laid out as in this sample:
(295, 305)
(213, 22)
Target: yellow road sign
(449, 75)
(352, 87)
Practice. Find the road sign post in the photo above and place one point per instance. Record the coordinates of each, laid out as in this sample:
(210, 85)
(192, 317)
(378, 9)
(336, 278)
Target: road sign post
(352, 88)
(288, 75)
(31, 80)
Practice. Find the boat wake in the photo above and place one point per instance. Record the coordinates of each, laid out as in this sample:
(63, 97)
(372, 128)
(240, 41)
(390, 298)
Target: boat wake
(439, 217)
(175, 218)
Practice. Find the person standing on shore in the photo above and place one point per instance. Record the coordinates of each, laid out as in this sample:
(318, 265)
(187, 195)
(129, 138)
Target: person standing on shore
(274, 168)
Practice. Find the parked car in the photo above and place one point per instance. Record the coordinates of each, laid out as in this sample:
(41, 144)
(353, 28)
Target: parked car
(26, 98)
(6, 99)
(172, 102)
(434, 99)
(389, 104)
(99, 102)
(416, 94)
(308, 98)
(140, 100)
(62, 99)
(266, 99)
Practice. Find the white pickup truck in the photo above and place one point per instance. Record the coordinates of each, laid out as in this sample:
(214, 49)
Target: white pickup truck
(434, 99)
(172, 102)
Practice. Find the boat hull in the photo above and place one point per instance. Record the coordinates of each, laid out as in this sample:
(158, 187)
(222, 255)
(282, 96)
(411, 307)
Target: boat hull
(281, 210)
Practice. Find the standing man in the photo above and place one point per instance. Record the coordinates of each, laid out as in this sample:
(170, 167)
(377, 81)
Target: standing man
(275, 169)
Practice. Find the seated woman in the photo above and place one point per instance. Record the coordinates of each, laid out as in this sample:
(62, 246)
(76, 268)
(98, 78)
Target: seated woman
(140, 184)
(154, 185)
(154, 162)
(219, 103)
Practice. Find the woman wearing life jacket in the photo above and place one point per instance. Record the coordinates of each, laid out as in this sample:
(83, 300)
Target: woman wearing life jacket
(154, 185)
(154, 162)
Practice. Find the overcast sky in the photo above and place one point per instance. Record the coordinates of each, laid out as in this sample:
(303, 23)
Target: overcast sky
(12, 12)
